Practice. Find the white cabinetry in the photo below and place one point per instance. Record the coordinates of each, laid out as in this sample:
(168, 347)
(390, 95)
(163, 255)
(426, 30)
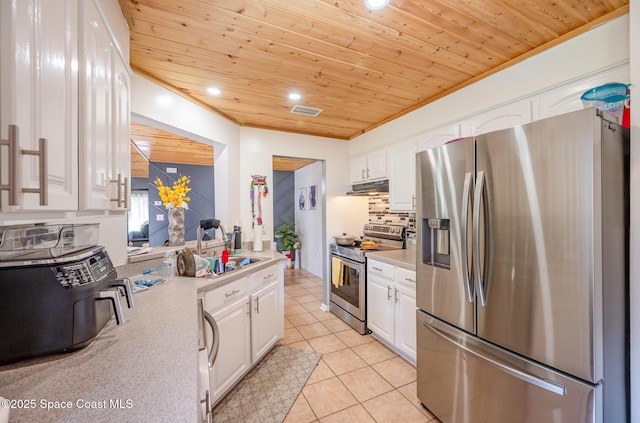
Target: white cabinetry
(503, 117)
(38, 85)
(65, 87)
(369, 167)
(405, 299)
(380, 305)
(402, 176)
(438, 136)
(104, 127)
(265, 320)
(234, 353)
(391, 306)
(249, 313)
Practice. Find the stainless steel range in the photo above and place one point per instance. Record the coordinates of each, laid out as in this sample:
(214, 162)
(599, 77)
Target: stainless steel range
(348, 272)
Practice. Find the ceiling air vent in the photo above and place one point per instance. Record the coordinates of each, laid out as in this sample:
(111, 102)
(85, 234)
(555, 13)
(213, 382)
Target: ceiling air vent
(305, 110)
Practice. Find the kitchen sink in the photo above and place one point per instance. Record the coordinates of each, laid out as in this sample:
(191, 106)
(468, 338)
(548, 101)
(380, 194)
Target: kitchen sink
(246, 260)
(238, 262)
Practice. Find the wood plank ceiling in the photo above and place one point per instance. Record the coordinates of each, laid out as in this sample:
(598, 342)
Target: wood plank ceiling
(156, 145)
(363, 68)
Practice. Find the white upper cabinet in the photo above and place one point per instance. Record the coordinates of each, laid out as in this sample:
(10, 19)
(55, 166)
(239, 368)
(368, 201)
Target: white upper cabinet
(96, 109)
(566, 99)
(104, 120)
(438, 136)
(121, 153)
(64, 107)
(503, 117)
(38, 84)
(369, 167)
(402, 175)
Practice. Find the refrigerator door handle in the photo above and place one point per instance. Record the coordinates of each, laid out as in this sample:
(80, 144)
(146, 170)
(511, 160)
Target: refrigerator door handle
(481, 263)
(467, 192)
(546, 384)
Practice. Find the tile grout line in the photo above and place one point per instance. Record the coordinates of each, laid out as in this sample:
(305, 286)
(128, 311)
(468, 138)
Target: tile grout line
(296, 291)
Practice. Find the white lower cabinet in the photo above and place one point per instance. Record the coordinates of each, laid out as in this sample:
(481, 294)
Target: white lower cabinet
(234, 352)
(249, 313)
(380, 304)
(391, 307)
(265, 320)
(405, 309)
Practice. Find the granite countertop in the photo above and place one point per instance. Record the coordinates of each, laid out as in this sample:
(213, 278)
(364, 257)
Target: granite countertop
(144, 370)
(401, 258)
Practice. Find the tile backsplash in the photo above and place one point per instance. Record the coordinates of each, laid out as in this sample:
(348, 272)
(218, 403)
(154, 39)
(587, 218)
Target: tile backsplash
(379, 213)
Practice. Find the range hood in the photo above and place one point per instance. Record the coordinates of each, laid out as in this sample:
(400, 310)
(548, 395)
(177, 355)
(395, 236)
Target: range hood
(367, 188)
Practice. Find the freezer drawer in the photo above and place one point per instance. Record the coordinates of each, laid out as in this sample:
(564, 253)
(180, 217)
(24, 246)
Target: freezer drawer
(464, 379)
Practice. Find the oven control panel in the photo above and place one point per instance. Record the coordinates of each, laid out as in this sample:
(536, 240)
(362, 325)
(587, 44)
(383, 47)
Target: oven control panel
(385, 231)
(92, 269)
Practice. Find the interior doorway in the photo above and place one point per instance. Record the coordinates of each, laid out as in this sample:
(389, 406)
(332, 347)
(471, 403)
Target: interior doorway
(298, 197)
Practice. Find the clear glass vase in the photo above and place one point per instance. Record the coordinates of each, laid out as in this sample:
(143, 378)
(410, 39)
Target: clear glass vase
(176, 226)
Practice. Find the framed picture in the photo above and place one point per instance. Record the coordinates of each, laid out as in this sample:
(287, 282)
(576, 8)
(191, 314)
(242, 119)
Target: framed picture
(313, 197)
(302, 198)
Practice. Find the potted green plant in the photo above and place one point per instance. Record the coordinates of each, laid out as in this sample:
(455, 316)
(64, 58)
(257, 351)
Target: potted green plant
(287, 236)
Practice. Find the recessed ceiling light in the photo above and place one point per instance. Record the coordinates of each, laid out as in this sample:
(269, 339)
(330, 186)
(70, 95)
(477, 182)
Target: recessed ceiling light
(214, 91)
(294, 96)
(376, 4)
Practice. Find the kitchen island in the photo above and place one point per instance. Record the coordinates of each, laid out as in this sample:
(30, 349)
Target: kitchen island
(143, 370)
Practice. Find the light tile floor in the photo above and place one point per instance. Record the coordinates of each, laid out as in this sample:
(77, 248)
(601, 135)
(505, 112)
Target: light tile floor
(358, 380)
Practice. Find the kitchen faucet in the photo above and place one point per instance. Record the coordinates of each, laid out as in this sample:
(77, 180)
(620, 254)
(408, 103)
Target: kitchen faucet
(208, 224)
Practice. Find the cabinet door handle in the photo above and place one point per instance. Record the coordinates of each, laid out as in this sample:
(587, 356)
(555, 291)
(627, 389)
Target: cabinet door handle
(413, 202)
(127, 194)
(367, 172)
(410, 280)
(118, 184)
(388, 292)
(258, 305)
(12, 184)
(216, 337)
(121, 187)
(362, 173)
(396, 294)
(207, 402)
(41, 152)
(376, 268)
(270, 275)
(229, 294)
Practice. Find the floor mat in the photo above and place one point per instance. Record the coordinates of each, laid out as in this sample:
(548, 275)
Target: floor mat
(269, 390)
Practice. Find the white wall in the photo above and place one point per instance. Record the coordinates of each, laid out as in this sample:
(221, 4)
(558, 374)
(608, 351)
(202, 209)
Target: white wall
(156, 106)
(258, 146)
(634, 36)
(309, 222)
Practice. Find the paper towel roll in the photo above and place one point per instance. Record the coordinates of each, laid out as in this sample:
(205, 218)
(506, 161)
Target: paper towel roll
(257, 238)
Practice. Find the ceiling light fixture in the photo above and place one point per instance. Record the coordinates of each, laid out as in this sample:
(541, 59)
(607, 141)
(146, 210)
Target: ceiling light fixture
(376, 4)
(214, 91)
(294, 96)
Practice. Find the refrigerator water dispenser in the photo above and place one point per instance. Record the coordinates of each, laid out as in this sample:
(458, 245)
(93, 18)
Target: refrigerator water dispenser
(435, 238)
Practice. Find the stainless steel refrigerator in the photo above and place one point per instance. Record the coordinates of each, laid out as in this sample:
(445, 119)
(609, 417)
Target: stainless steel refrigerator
(522, 274)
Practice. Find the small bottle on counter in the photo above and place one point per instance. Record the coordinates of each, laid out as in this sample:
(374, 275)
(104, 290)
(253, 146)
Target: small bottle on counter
(169, 264)
(237, 248)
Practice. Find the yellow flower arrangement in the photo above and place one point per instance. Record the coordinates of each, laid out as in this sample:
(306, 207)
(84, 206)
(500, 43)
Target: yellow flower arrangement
(176, 196)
